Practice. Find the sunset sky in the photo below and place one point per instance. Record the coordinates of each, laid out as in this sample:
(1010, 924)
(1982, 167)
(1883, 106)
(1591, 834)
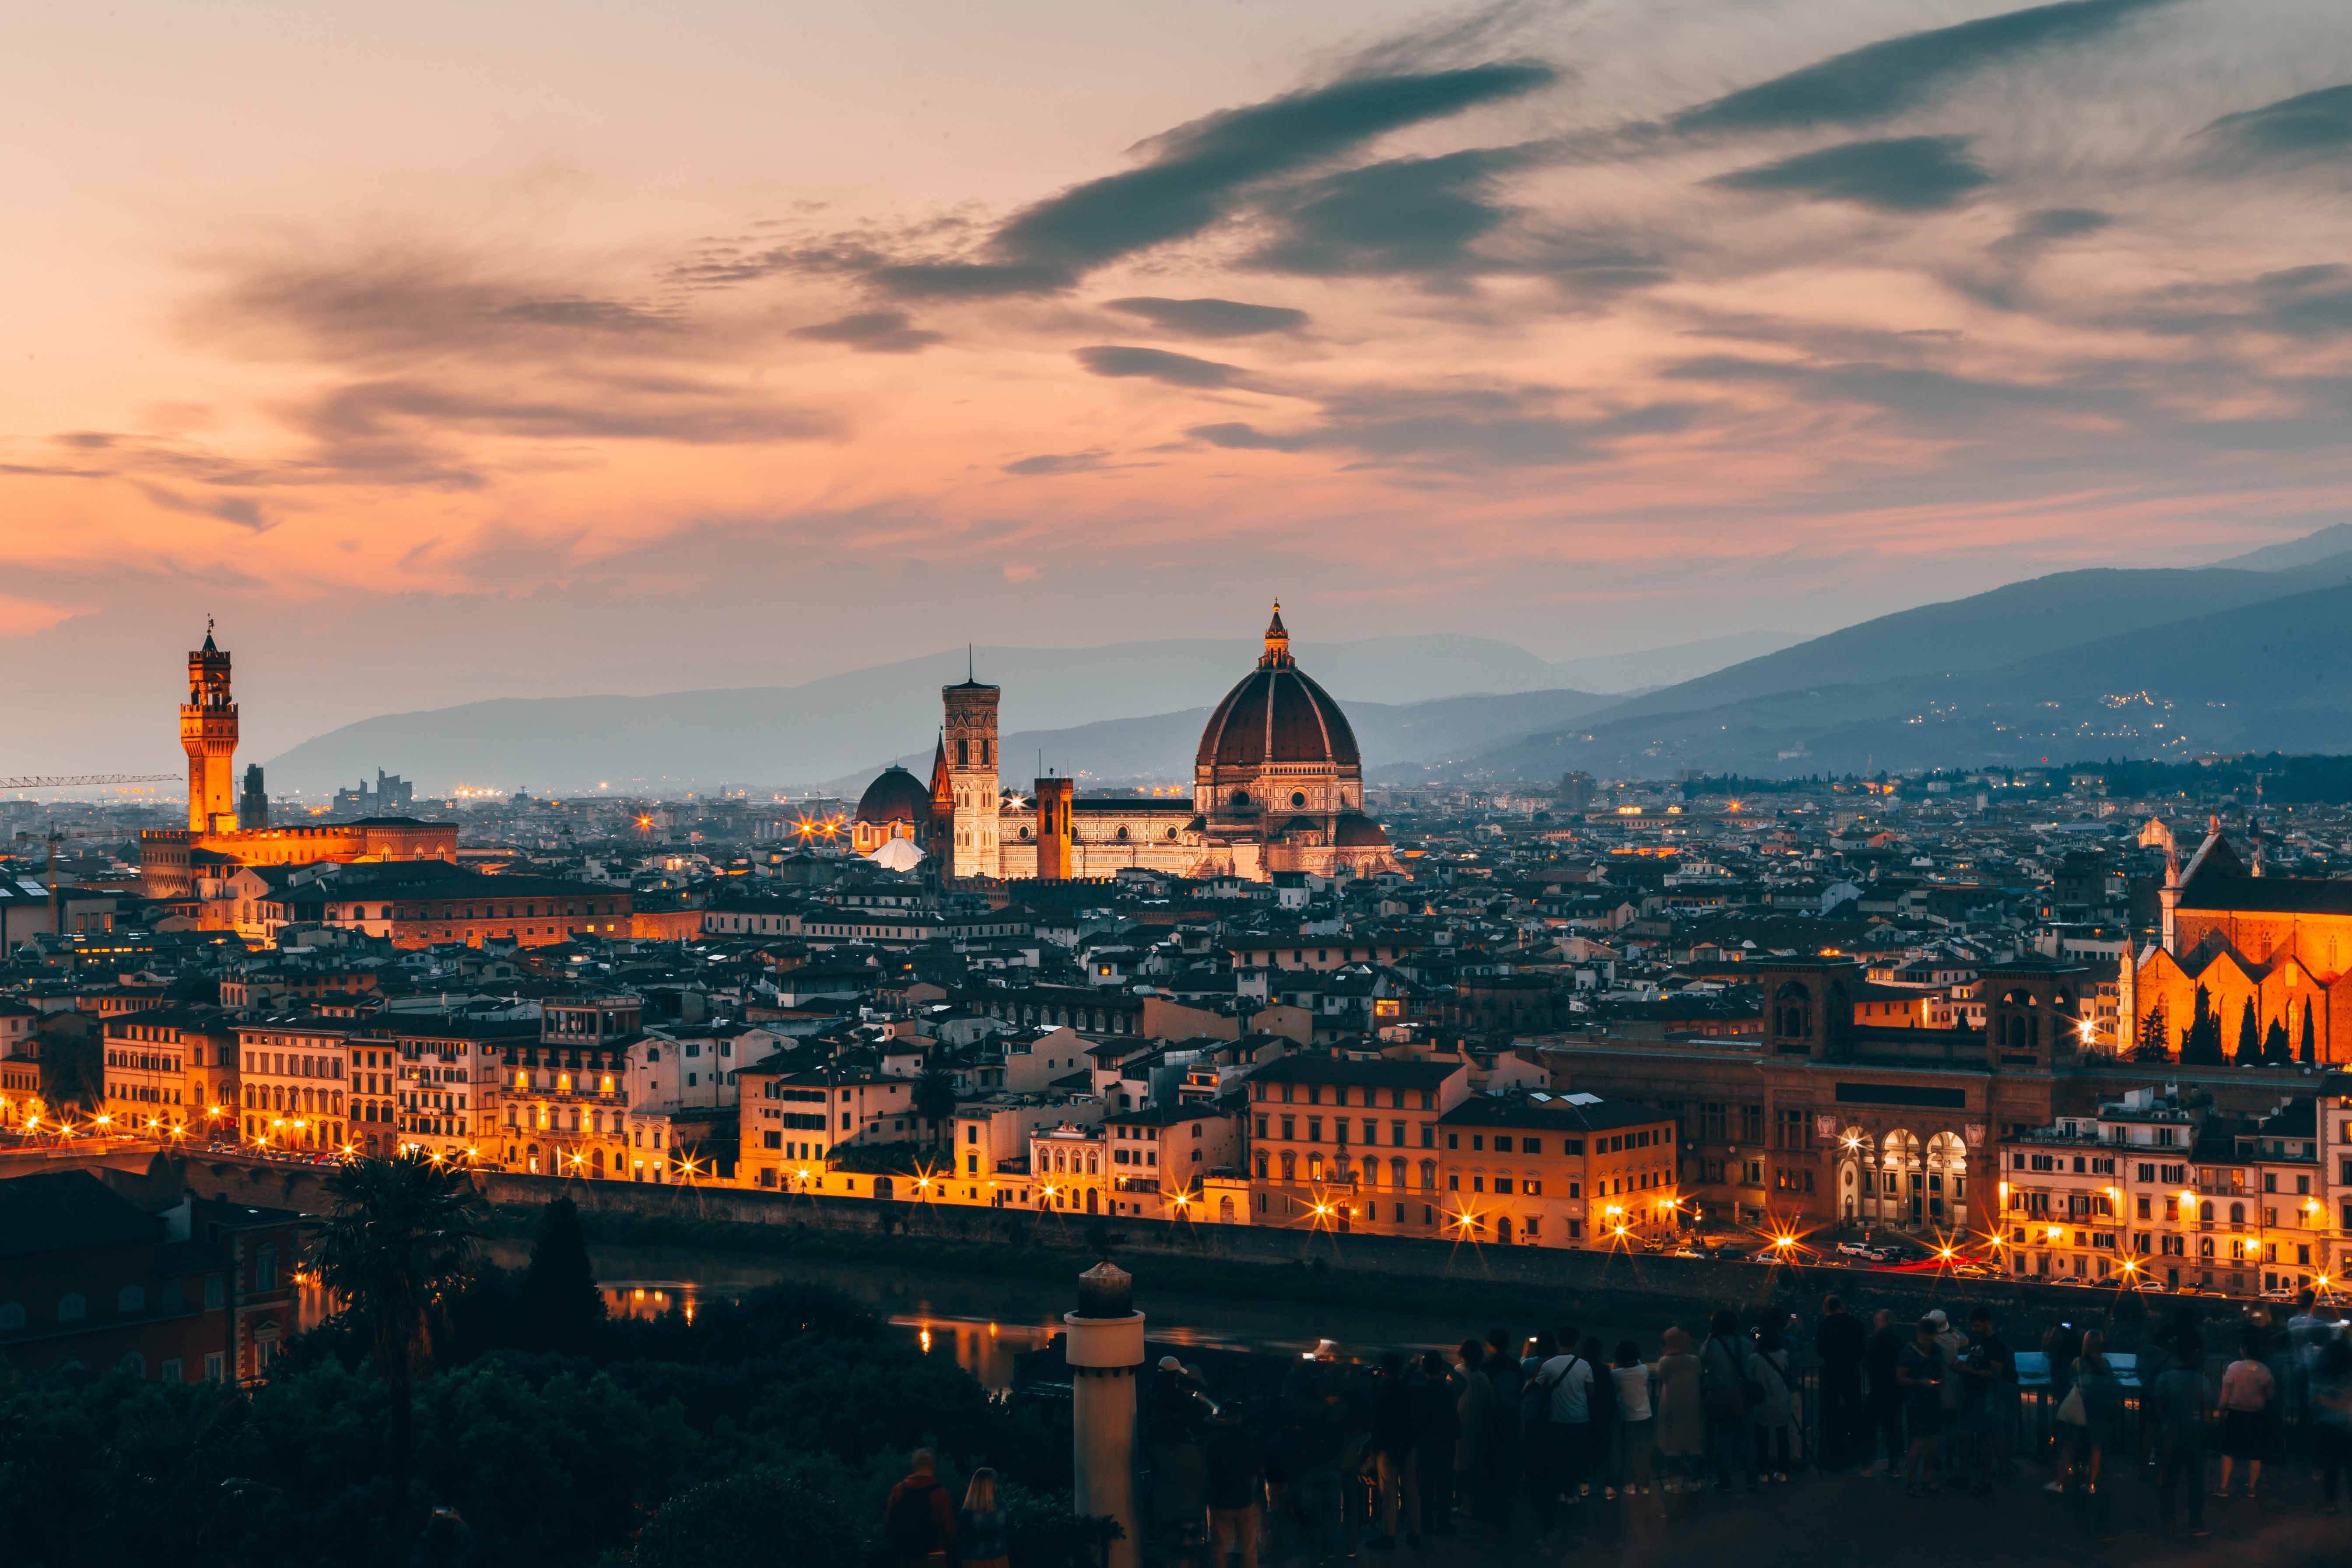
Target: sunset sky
(450, 350)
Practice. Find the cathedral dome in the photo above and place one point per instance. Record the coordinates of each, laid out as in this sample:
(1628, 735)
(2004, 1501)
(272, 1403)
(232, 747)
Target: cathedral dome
(896, 795)
(1277, 715)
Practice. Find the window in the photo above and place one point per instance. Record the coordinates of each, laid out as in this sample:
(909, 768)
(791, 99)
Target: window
(131, 1299)
(264, 1268)
(12, 1315)
(172, 1370)
(215, 1366)
(72, 1308)
(215, 1293)
(134, 1364)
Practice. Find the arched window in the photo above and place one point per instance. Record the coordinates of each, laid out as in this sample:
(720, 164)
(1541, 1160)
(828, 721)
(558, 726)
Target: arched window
(1240, 798)
(72, 1308)
(1314, 1167)
(1396, 1172)
(2237, 1214)
(134, 1364)
(131, 1299)
(1289, 1165)
(12, 1315)
(1196, 1156)
(1429, 1176)
(963, 753)
(1793, 1005)
(1264, 1164)
(2205, 1212)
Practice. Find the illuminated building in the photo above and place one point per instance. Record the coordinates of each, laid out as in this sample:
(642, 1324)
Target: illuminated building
(1277, 786)
(292, 1082)
(2281, 945)
(214, 843)
(1351, 1145)
(172, 1073)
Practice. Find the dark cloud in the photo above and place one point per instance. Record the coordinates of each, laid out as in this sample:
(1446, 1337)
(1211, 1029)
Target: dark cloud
(1158, 364)
(699, 415)
(2036, 230)
(599, 315)
(1061, 463)
(1462, 430)
(2310, 303)
(2309, 125)
(966, 281)
(1882, 79)
(242, 511)
(1902, 174)
(1936, 401)
(871, 333)
(1211, 318)
(1400, 216)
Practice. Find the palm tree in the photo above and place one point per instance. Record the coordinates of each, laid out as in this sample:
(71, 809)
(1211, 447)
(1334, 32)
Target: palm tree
(397, 1246)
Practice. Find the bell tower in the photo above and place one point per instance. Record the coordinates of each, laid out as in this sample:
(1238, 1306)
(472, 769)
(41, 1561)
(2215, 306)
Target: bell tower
(208, 734)
(969, 744)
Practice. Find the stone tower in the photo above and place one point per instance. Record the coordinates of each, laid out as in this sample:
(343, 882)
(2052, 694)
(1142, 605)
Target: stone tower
(208, 734)
(1055, 841)
(970, 744)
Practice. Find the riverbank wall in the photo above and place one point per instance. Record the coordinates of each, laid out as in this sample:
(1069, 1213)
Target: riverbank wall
(1257, 1262)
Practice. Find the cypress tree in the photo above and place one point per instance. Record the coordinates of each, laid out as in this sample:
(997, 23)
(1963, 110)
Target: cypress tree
(2310, 1040)
(560, 1307)
(2275, 1050)
(2200, 1042)
(2250, 1037)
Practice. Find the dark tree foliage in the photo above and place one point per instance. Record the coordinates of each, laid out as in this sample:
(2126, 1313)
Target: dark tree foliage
(2154, 1043)
(560, 1307)
(2200, 1043)
(2275, 1050)
(2250, 1037)
(2310, 1038)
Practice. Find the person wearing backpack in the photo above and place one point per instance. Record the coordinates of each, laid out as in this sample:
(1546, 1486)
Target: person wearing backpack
(1601, 1419)
(1722, 1394)
(920, 1521)
(1770, 1409)
(1562, 1389)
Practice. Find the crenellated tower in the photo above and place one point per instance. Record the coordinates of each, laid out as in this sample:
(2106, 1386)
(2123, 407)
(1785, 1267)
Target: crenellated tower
(208, 734)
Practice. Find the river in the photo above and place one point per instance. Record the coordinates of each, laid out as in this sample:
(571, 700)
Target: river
(988, 1320)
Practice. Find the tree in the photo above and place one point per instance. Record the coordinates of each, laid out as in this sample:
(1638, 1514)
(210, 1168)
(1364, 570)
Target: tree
(396, 1248)
(2155, 1044)
(2200, 1043)
(743, 1521)
(560, 1308)
(2250, 1037)
(2275, 1050)
(935, 1095)
(2310, 1040)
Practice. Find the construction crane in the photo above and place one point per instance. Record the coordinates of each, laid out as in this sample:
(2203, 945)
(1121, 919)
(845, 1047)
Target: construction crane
(80, 781)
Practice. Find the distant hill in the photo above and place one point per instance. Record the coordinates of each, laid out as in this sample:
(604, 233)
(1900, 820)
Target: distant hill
(2309, 551)
(1415, 737)
(2275, 674)
(1985, 631)
(797, 735)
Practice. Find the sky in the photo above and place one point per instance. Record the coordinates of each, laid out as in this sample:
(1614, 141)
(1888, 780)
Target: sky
(445, 352)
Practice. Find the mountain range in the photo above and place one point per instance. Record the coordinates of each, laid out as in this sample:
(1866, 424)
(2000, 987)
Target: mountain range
(2242, 655)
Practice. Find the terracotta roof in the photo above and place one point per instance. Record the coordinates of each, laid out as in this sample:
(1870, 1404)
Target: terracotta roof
(1277, 714)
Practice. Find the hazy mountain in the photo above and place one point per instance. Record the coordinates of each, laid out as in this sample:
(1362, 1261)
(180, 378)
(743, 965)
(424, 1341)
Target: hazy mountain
(2309, 551)
(1988, 630)
(1443, 732)
(1633, 672)
(2275, 673)
(798, 734)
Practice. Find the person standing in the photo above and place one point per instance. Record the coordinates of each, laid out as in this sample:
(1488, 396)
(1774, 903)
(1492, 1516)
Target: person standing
(1480, 1477)
(1236, 1487)
(2103, 1401)
(1839, 1342)
(1394, 1418)
(2248, 1390)
(919, 1521)
(983, 1526)
(1682, 1416)
(1564, 1384)
(1313, 1419)
(1436, 1434)
(1987, 1368)
(2180, 1396)
(2330, 1390)
(1635, 1430)
(1722, 1394)
(1883, 1394)
(1773, 1411)
(1919, 1372)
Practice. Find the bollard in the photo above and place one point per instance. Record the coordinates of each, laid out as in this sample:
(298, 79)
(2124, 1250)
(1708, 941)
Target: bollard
(1105, 1349)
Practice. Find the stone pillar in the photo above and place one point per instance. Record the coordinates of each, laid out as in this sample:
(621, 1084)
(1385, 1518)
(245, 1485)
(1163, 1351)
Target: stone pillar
(1105, 1349)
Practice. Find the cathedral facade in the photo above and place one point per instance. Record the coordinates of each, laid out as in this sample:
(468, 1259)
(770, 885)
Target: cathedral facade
(1277, 786)
(2272, 953)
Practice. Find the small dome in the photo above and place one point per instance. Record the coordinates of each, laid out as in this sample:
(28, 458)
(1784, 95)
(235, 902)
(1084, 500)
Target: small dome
(896, 795)
(1356, 832)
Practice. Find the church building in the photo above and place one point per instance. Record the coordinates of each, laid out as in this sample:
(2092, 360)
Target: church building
(1277, 786)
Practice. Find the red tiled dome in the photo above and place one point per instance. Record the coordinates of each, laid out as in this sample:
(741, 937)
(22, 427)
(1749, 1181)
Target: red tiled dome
(1356, 832)
(1277, 715)
(896, 795)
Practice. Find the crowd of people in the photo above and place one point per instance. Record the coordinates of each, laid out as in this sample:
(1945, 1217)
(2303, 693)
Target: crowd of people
(1542, 1436)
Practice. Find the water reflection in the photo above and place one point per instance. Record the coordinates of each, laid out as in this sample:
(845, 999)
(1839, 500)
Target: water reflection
(648, 1299)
